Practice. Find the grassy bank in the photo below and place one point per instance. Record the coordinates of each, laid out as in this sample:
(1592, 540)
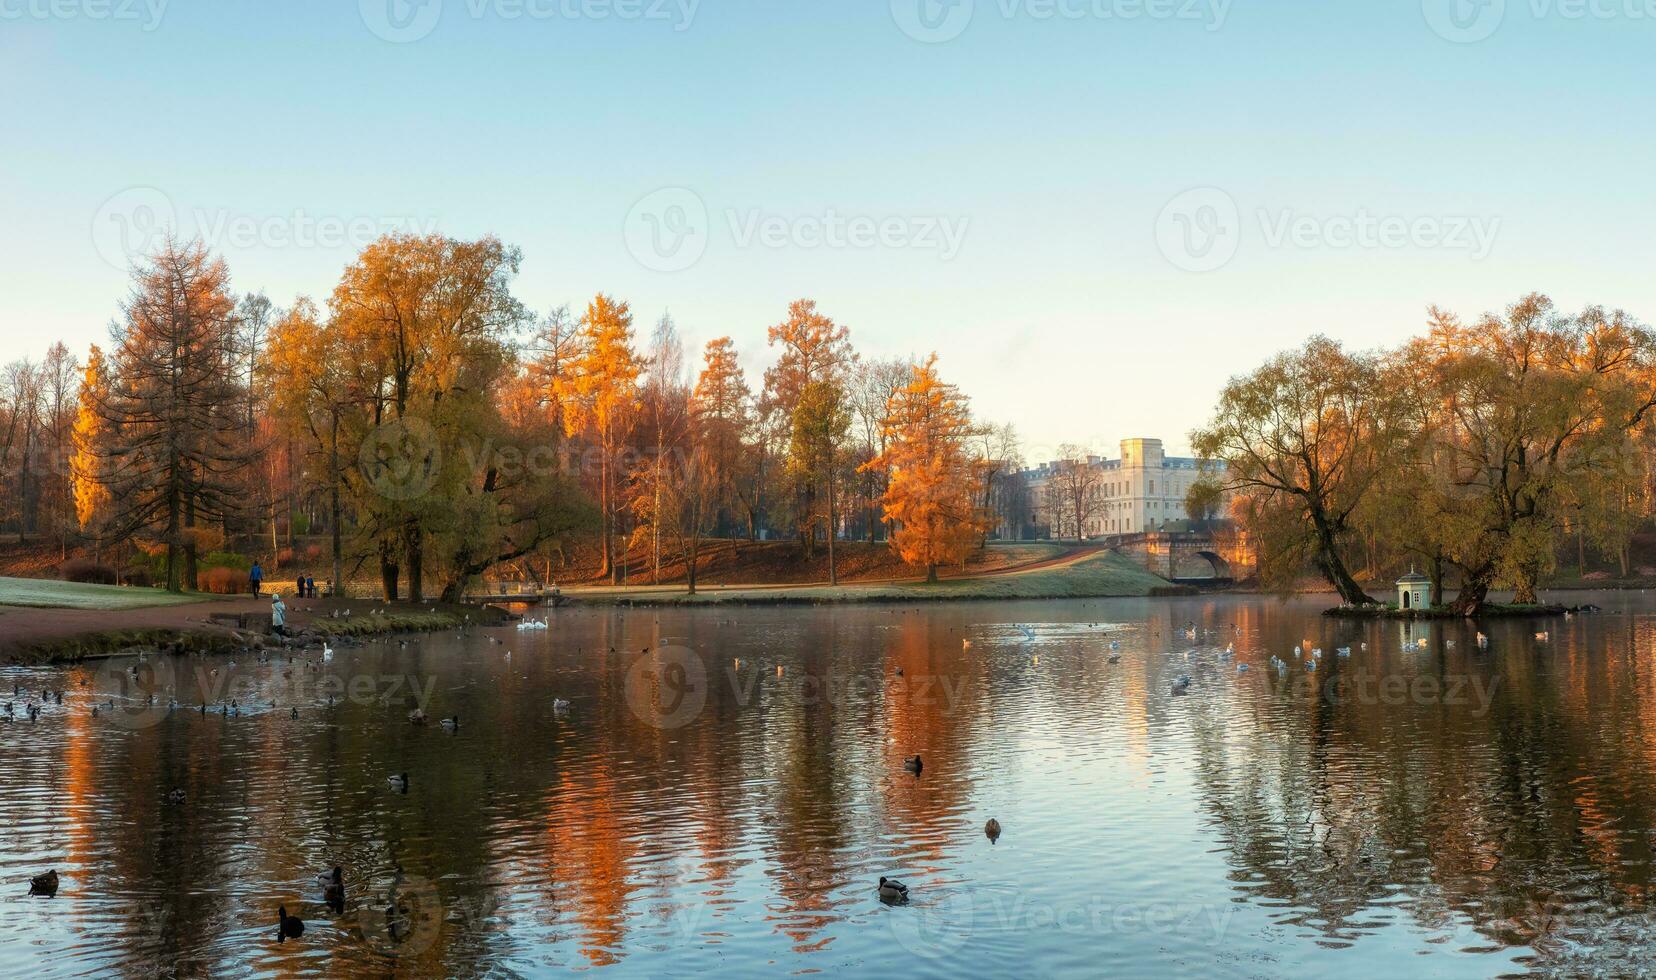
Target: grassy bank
(42, 634)
(35, 593)
(1097, 576)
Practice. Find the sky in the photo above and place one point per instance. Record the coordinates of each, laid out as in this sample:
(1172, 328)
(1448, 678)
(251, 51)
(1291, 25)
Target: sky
(1093, 211)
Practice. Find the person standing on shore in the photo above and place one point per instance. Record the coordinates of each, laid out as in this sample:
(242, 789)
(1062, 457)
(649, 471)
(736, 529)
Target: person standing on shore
(255, 577)
(278, 614)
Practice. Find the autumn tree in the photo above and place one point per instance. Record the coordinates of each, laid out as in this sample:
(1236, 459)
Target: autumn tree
(92, 440)
(1073, 492)
(434, 317)
(1536, 411)
(721, 417)
(175, 449)
(318, 389)
(931, 504)
(1304, 438)
(810, 376)
(601, 398)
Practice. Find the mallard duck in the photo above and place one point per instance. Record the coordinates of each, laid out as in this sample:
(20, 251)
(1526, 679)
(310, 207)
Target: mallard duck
(288, 926)
(398, 781)
(1115, 658)
(893, 891)
(992, 830)
(1182, 684)
(333, 885)
(417, 716)
(913, 764)
(46, 884)
(559, 704)
(176, 796)
(451, 724)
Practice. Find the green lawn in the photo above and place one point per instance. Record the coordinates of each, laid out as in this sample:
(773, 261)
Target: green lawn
(52, 594)
(1101, 575)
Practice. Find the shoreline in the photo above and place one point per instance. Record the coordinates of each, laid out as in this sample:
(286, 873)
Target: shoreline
(44, 635)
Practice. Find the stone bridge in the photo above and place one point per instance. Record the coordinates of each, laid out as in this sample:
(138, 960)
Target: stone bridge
(1190, 557)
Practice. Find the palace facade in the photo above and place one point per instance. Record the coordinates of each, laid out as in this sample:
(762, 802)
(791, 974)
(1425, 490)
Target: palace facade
(1143, 490)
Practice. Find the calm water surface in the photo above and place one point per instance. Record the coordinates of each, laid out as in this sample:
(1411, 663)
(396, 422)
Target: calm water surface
(725, 802)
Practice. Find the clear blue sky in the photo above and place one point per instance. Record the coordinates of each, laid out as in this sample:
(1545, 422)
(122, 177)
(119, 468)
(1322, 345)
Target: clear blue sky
(1062, 142)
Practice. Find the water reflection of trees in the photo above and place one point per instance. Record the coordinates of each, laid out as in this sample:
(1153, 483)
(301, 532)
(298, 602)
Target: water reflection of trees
(1519, 825)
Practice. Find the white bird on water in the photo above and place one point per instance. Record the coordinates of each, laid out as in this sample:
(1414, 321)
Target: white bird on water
(327, 653)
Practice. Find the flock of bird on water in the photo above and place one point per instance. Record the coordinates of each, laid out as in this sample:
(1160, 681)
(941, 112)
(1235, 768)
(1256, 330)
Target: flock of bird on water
(891, 891)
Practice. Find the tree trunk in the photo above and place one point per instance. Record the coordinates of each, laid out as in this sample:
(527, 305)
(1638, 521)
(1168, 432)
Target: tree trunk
(389, 572)
(414, 557)
(1333, 568)
(190, 570)
(338, 534)
(931, 574)
(1474, 591)
(833, 571)
(1436, 567)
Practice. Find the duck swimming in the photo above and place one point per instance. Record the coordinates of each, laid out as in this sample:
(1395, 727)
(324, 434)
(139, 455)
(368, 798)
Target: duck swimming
(288, 926)
(892, 891)
(46, 884)
(333, 886)
(992, 830)
(913, 764)
(398, 782)
(451, 724)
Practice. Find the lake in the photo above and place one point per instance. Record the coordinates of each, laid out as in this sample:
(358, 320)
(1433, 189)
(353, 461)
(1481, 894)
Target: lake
(726, 787)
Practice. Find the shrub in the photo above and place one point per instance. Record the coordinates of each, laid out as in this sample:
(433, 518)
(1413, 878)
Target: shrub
(222, 581)
(86, 570)
(138, 576)
(226, 559)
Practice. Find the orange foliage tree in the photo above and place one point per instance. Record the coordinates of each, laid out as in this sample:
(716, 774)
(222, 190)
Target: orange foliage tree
(600, 396)
(930, 503)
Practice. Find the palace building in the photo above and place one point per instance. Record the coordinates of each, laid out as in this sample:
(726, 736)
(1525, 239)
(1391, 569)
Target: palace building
(1143, 490)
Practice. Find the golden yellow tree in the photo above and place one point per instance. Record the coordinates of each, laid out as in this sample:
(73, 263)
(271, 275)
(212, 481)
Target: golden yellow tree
(931, 501)
(91, 437)
(599, 396)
